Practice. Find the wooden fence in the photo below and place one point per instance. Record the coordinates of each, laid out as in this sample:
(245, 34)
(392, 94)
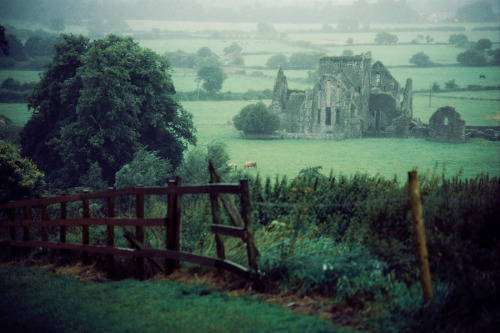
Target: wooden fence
(241, 228)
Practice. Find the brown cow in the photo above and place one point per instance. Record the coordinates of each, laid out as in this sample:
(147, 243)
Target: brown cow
(250, 164)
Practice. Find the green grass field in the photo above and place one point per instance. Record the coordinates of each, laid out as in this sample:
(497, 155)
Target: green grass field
(21, 76)
(385, 156)
(36, 300)
(217, 45)
(388, 157)
(463, 76)
(475, 112)
(16, 112)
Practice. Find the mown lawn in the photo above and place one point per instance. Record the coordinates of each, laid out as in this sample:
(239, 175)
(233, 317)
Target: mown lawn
(36, 300)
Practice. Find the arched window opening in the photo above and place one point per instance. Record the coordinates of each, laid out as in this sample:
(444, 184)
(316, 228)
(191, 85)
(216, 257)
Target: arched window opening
(328, 120)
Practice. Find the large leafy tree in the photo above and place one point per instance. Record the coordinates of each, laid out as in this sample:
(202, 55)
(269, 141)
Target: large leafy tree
(472, 57)
(100, 102)
(385, 38)
(420, 59)
(213, 77)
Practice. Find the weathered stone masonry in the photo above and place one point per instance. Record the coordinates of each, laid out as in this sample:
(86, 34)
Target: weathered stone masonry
(352, 98)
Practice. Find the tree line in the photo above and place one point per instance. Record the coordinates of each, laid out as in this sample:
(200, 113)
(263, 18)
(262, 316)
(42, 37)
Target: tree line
(34, 53)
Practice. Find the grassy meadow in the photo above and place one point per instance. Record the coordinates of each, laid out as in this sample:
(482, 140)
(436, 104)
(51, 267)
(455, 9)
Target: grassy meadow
(37, 300)
(388, 157)
(385, 156)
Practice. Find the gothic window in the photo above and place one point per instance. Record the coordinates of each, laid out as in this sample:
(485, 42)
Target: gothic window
(337, 116)
(328, 120)
(319, 116)
(378, 79)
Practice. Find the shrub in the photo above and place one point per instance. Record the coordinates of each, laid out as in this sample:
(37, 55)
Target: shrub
(472, 57)
(460, 40)
(385, 38)
(277, 60)
(483, 44)
(147, 169)
(256, 118)
(420, 59)
(451, 84)
(194, 168)
(18, 176)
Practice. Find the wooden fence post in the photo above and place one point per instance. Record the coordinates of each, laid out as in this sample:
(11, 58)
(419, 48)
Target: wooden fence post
(63, 229)
(12, 230)
(214, 200)
(45, 234)
(173, 226)
(26, 230)
(85, 228)
(246, 208)
(111, 232)
(139, 234)
(420, 241)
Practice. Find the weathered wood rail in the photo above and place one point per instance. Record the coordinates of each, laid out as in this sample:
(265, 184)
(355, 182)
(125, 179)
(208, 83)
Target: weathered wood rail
(241, 228)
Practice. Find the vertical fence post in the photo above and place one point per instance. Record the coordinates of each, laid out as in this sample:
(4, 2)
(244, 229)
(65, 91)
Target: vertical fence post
(139, 234)
(173, 225)
(419, 233)
(111, 232)
(12, 230)
(246, 208)
(26, 230)
(214, 200)
(45, 234)
(85, 228)
(62, 229)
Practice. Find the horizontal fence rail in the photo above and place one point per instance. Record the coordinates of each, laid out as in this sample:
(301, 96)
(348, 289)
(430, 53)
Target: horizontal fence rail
(205, 189)
(241, 226)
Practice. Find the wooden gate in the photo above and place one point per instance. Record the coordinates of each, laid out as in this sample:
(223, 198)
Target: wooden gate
(241, 225)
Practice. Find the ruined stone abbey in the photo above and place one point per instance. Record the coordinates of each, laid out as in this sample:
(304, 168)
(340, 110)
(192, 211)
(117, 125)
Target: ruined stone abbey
(352, 98)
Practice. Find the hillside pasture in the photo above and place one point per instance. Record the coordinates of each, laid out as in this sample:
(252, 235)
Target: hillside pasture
(17, 112)
(400, 54)
(191, 45)
(405, 37)
(463, 76)
(484, 112)
(21, 76)
(185, 80)
(386, 156)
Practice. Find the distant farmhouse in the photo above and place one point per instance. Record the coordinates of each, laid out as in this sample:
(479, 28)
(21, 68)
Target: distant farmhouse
(352, 99)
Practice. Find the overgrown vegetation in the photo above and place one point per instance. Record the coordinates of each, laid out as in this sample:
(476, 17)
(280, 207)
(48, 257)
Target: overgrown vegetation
(18, 176)
(100, 102)
(257, 119)
(350, 238)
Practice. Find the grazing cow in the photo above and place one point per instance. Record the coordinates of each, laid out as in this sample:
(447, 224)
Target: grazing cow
(232, 166)
(250, 164)
(482, 76)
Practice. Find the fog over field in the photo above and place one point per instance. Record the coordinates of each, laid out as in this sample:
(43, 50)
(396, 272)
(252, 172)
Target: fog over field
(314, 114)
(289, 27)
